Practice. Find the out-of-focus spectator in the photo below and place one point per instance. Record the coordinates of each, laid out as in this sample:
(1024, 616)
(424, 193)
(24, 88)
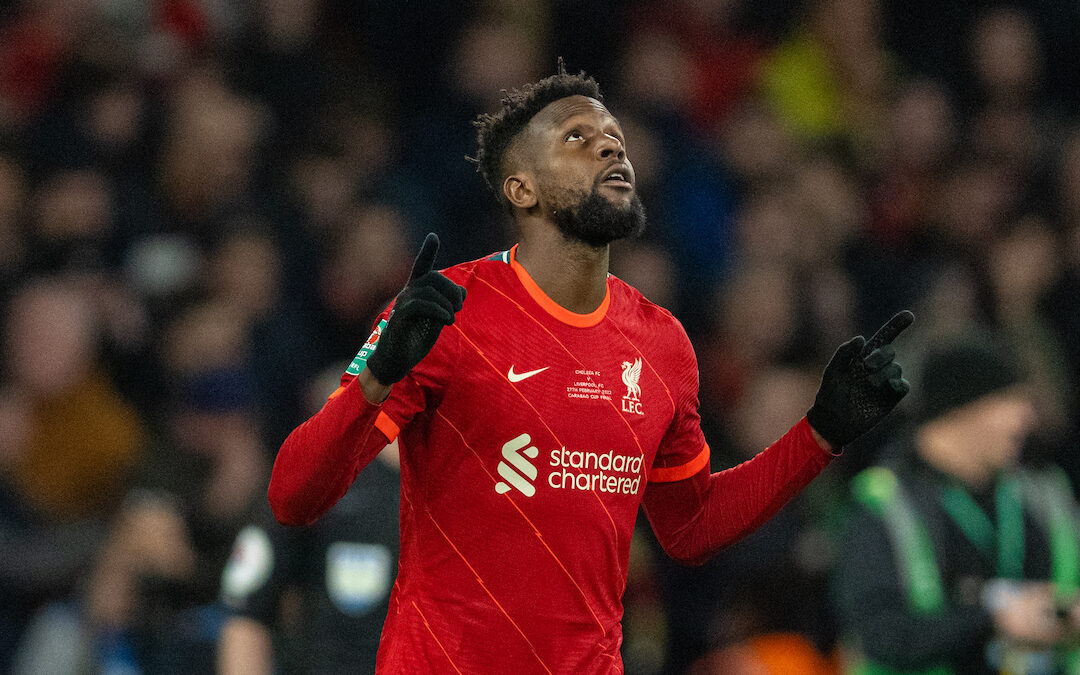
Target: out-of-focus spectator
(150, 601)
(245, 274)
(754, 144)
(959, 555)
(1011, 127)
(313, 600)
(68, 445)
(279, 60)
(1023, 265)
(72, 221)
(1006, 56)
(723, 52)
(354, 286)
(920, 135)
(207, 169)
(829, 80)
(36, 43)
(757, 314)
(83, 439)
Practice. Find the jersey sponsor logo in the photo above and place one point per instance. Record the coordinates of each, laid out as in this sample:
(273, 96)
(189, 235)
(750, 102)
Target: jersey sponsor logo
(249, 566)
(515, 469)
(595, 471)
(518, 377)
(358, 576)
(367, 350)
(608, 471)
(631, 374)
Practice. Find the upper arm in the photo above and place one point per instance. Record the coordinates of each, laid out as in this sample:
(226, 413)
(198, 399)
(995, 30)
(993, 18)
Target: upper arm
(672, 508)
(683, 451)
(678, 480)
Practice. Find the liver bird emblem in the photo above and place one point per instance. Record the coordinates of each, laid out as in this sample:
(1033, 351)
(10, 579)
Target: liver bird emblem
(631, 373)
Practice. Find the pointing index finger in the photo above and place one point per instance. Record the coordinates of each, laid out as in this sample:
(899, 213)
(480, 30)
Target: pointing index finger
(887, 333)
(425, 259)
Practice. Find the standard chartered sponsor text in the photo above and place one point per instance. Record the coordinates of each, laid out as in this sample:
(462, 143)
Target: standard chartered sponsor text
(598, 471)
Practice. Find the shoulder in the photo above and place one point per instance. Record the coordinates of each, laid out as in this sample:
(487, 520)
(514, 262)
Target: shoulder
(489, 266)
(631, 308)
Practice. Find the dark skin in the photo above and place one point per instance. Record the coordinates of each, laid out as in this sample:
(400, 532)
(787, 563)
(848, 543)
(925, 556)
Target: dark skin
(571, 146)
(567, 146)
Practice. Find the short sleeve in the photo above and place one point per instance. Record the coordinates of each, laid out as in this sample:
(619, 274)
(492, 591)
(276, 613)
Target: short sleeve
(264, 559)
(683, 451)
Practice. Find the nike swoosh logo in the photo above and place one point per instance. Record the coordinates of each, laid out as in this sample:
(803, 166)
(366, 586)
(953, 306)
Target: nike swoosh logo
(518, 377)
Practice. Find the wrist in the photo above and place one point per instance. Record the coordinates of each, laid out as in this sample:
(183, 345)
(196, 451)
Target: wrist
(828, 430)
(374, 391)
(820, 440)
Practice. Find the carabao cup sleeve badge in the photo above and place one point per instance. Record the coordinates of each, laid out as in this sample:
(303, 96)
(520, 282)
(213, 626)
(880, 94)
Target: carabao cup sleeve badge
(367, 350)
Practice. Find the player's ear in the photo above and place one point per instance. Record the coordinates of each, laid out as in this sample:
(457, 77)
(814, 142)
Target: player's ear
(520, 190)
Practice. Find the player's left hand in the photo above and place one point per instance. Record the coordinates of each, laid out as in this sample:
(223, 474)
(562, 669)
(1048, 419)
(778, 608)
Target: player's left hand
(861, 385)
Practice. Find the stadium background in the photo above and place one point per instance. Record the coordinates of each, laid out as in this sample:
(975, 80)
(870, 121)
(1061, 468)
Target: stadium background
(204, 203)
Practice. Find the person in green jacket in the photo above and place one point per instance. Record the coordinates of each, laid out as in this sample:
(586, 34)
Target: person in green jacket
(958, 560)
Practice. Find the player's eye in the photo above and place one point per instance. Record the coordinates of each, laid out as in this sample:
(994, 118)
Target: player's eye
(574, 136)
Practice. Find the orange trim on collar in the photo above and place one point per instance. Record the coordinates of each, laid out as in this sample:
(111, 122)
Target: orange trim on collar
(553, 308)
(670, 474)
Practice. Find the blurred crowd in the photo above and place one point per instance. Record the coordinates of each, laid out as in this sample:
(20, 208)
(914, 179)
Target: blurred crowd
(205, 203)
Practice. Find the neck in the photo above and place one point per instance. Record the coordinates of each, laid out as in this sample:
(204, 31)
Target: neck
(949, 454)
(571, 273)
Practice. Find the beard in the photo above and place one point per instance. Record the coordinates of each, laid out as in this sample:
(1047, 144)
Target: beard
(596, 221)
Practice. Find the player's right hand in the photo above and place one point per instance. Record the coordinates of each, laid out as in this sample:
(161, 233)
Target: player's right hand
(428, 302)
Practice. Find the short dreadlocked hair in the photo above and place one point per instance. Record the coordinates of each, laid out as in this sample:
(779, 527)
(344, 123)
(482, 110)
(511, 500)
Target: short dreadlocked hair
(497, 131)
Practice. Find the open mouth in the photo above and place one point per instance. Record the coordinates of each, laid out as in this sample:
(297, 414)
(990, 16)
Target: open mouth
(618, 178)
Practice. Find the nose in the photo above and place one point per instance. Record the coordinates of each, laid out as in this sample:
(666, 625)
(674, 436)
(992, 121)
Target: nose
(609, 145)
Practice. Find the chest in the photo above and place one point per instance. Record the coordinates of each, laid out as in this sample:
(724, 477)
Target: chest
(591, 390)
(572, 418)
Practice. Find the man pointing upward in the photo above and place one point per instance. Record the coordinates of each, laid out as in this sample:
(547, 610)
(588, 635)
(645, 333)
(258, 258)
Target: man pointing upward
(525, 454)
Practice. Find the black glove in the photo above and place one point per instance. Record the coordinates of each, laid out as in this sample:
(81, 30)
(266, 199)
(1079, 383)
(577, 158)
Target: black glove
(426, 304)
(860, 385)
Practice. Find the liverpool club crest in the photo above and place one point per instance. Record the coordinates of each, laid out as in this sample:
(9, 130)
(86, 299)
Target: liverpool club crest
(631, 373)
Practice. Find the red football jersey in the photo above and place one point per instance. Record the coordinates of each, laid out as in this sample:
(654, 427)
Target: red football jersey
(528, 436)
